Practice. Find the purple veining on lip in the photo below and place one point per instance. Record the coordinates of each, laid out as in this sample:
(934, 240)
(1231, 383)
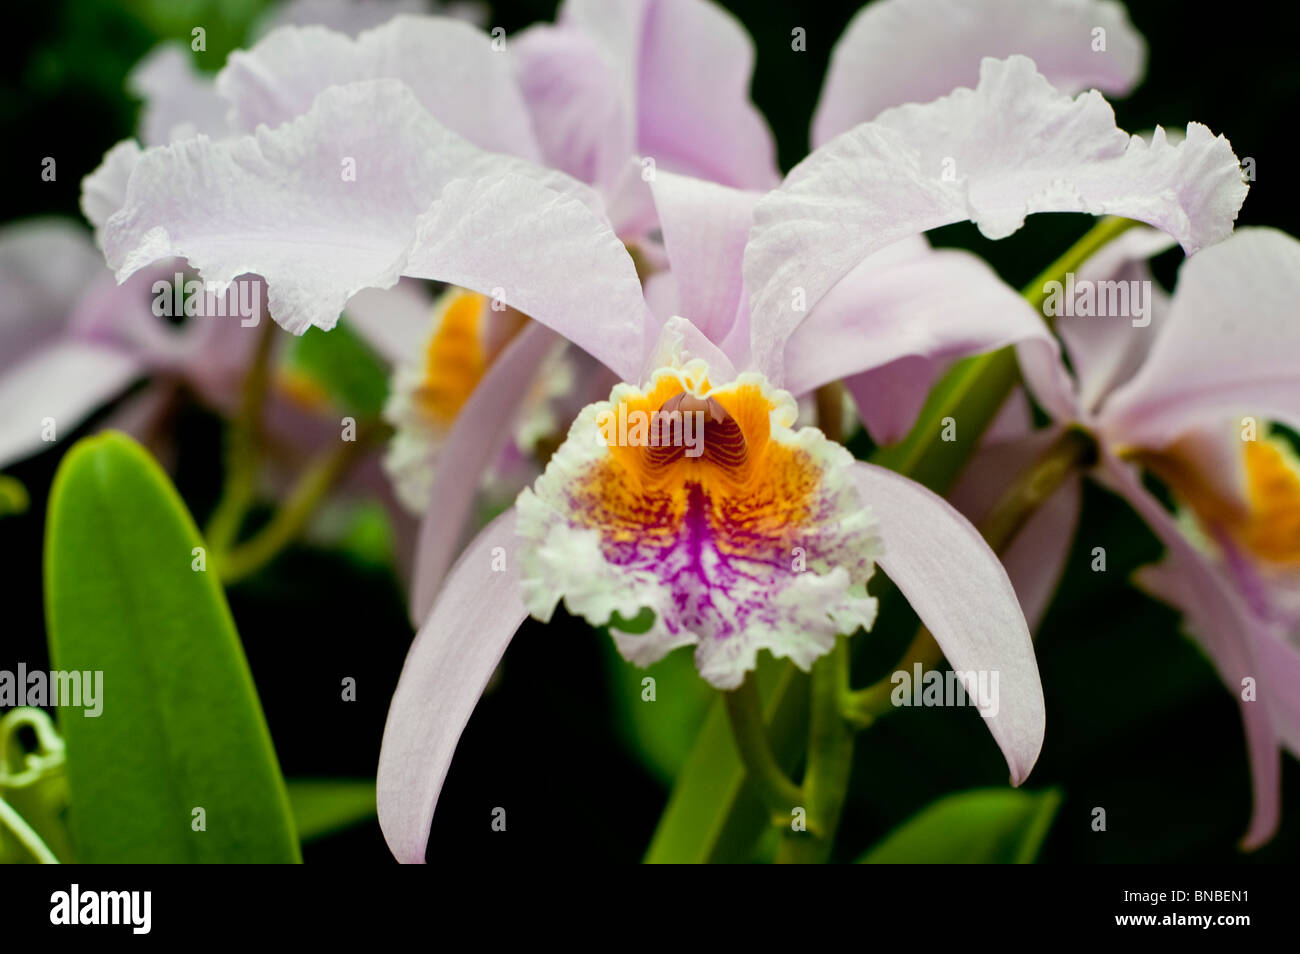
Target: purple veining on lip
(721, 572)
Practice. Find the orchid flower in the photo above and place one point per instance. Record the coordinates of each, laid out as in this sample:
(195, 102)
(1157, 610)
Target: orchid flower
(707, 544)
(924, 308)
(74, 340)
(434, 376)
(1160, 393)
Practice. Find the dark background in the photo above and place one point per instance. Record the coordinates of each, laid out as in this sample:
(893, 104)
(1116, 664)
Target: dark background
(1137, 722)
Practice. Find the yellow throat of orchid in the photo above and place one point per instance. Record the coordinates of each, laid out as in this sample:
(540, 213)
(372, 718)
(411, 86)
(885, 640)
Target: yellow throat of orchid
(699, 502)
(1272, 529)
(455, 358)
(1268, 525)
(682, 435)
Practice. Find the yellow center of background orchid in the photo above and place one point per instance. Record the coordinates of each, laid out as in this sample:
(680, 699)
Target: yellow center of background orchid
(455, 358)
(1272, 529)
(1267, 522)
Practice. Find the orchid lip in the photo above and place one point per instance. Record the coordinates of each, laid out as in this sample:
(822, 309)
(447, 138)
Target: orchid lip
(692, 426)
(758, 542)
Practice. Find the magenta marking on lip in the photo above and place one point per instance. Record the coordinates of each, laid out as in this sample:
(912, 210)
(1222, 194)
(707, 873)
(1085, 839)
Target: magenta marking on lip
(719, 574)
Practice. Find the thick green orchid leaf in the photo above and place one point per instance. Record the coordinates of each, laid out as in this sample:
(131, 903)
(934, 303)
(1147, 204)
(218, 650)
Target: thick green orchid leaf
(177, 766)
(985, 826)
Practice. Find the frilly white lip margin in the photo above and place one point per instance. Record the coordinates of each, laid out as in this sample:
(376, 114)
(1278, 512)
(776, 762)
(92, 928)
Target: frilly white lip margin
(779, 561)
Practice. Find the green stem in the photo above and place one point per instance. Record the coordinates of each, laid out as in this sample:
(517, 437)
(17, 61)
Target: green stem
(243, 448)
(745, 712)
(1106, 230)
(26, 836)
(292, 516)
(830, 760)
(1072, 451)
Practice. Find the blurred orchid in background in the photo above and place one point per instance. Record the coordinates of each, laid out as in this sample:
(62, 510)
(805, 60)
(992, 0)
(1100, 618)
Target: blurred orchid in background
(1163, 398)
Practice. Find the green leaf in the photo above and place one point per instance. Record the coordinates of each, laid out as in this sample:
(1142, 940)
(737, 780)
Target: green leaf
(985, 826)
(324, 806)
(181, 727)
(343, 366)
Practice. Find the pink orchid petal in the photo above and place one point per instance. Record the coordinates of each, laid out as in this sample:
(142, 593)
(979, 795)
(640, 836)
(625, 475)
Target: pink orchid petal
(423, 203)
(890, 397)
(1228, 347)
(1171, 584)
(962, 594)
(482, 428)
(705, 227)
(1279, 666)
(1009, 148)
(454, 654)
(394, 321)
(912, 51)
(64, 381)
(354, 16)
(581, 119)
(545, 254)
(179, 100)
(1106, 351)
(103, 192)
(1013, 421)
(45, 268)
(660, 290)
(679, 342)
(449, 65)
(1043, 370)
(684, 68)
(1220, 623)
(694, 115)
(939, 305)
(1035, 559)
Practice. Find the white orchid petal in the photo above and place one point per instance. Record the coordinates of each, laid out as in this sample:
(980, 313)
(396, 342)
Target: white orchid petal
(1011, 147)
(366, 187)
(911, 51)
(450, 662)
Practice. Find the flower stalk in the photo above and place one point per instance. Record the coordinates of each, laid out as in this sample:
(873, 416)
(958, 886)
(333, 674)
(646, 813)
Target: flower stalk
(289, 520)
(242, 451)
(748, 728)
(830, 760)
